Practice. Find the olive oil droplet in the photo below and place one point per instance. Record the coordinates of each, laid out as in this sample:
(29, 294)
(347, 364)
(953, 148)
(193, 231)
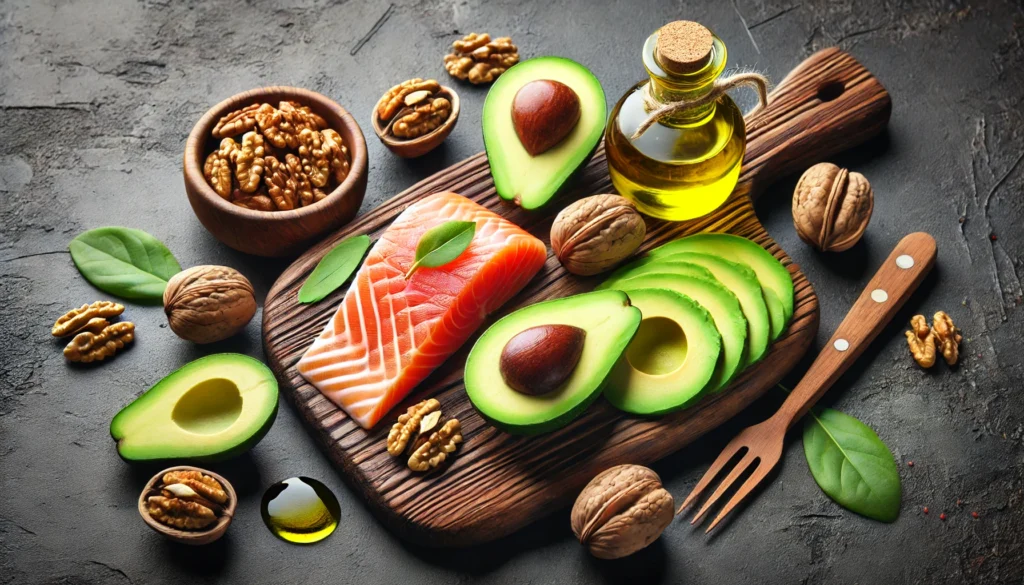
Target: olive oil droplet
(300, 510)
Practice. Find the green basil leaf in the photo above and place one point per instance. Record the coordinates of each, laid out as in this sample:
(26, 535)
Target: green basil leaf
(852, 465)
(124, 262)
(442, 244)
(334, 269)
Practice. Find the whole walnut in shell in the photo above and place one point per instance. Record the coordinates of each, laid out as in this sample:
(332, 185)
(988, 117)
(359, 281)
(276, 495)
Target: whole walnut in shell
(621, 511)
(596, 233)
(205, 304)
(832, 207)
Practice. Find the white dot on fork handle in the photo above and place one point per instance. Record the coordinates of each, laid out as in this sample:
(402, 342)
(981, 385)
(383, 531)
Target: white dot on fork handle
(905, 261)
(841, 344)
(879, 296)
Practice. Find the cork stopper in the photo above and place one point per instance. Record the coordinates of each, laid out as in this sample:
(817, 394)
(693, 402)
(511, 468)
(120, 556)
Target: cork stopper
(684, 46)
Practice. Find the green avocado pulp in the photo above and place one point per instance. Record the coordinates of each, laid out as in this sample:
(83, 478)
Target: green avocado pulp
(610, 323)
(658, 348)
(531, 181)
(212, 408)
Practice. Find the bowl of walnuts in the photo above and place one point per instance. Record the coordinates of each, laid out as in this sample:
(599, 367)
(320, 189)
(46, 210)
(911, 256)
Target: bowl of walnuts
(269, 171)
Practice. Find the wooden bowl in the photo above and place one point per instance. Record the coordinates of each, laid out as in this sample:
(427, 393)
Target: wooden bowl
(414, 147)
(274, 233)
(192, 537)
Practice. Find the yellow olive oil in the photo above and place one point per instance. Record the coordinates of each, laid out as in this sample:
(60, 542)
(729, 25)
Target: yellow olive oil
(688, 162)
(300, 510)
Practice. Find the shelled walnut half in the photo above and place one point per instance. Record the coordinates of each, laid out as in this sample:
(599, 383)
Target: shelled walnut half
(414, 434)
(479, 59)
(413, 108)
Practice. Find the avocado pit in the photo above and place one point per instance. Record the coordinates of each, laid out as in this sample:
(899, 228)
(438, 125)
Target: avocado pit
(544, 112)
(540, 359)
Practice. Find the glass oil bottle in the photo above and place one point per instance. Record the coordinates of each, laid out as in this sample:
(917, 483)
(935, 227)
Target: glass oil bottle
(687, 163)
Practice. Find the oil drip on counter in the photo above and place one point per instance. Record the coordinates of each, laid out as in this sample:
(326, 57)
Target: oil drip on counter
(300, 510)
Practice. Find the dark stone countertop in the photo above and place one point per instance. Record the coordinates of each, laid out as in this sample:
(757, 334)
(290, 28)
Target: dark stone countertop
(96, 99)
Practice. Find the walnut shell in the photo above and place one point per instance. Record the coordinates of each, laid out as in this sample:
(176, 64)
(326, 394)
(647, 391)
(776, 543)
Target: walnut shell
(621, 511)
(205, 304)
(596, 233)
(832, 207)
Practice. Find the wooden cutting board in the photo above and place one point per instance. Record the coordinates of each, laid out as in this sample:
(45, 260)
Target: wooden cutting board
(497, 482)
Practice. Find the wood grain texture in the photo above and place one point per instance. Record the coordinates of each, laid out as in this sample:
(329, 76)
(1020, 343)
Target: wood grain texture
(274, 233)
(497, 482)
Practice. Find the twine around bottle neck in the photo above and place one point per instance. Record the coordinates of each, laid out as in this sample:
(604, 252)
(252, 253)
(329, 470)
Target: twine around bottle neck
(718, 89)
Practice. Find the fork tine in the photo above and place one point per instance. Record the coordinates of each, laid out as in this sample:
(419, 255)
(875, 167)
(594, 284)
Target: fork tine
(747, 487)
(724, 457)
(749, 459)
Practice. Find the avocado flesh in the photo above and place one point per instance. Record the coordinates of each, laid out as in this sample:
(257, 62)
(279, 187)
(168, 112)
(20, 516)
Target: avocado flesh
(669, 363)
(610, 322)
(772, 275)
(720, 303)
(212, 408)
(738, 278)
(531, 181)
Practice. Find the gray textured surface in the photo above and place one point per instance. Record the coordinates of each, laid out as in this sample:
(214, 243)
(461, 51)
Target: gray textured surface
(96, 99)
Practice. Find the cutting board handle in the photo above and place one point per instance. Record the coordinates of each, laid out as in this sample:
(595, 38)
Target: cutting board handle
(828, 104)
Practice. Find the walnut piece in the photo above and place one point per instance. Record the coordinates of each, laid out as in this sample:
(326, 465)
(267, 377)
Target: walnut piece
(76, 320)
(479, 59)
(947, 337)
(337, 154)
(205, 304)
(314, 160)
(281, 186)
(249, 162)
(921, 341)
(832, 207)
(435, 450)
(423, 119)
(89, 347)
(596, 233)
(408, 426)
(179, 513)
(621, 511)
(394, 99)
(201, 483)
(217, 168)
(236, 122)
(281, 126)
(258, 201)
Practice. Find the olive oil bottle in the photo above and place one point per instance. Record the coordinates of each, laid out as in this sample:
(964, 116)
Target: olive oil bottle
(688, 162)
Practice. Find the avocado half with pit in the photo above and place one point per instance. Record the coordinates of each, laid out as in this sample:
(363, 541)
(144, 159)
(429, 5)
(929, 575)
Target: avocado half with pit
(542, 120)
(670, 362)
(213, 408)
(608, 321)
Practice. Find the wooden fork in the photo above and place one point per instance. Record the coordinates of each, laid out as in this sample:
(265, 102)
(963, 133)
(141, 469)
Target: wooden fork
(761, 444)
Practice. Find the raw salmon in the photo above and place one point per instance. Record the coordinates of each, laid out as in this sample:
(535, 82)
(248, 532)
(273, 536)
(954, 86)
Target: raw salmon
(389, 333)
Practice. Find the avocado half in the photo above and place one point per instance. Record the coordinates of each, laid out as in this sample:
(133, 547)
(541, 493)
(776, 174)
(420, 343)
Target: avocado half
(609, 321)
(212, 408)
(532, 181)
(670, 362)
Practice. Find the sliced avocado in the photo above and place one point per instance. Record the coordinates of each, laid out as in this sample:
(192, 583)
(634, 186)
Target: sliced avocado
(212, 408)
(719, 302)
(772, 275)
(669, 363)
(609, 321)
(531, 181)
(738, 278)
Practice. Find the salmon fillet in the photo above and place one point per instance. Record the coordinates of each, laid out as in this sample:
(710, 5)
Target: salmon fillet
(389, 333)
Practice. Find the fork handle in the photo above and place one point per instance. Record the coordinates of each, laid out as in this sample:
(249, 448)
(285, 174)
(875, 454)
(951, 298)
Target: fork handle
(888, 290)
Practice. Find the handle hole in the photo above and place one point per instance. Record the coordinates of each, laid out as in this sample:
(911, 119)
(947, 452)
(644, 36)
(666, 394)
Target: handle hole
(831, 91)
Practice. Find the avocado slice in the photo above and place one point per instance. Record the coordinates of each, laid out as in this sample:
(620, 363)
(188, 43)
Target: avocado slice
(720, 303)
(773, 276)
(531, 181)
(738, 278)
(609, 321)
(669, 363)
(212, 408)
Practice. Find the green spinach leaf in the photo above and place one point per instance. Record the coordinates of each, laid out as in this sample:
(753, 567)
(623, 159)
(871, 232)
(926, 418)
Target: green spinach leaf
(124, 262)
(852, 465)
(442, 244)
(334, 269)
